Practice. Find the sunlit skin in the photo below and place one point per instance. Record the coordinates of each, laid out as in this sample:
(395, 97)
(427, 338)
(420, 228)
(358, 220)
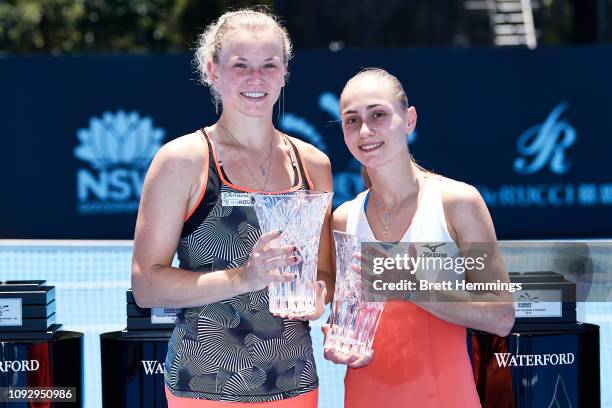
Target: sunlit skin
(250, 62)
(374, 123)
(248, 76)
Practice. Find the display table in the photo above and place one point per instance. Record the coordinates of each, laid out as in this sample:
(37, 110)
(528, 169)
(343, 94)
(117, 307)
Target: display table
(52, 361)
(133, 370)
(553, 366)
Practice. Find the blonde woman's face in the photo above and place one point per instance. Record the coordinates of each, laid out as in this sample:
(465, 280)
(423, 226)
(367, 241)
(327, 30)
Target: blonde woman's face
(250, 72)
(374, 123)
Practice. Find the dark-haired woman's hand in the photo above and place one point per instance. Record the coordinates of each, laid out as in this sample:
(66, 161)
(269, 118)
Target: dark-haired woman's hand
(352, 360)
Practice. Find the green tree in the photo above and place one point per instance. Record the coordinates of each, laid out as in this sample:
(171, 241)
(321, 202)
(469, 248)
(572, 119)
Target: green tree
(66, 26)
(59, 26)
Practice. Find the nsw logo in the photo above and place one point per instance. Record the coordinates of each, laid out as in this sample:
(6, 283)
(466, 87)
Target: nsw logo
(119, 148)
(546, 143)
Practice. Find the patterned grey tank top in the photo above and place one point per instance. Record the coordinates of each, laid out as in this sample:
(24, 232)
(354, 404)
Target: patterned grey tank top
(235, 350)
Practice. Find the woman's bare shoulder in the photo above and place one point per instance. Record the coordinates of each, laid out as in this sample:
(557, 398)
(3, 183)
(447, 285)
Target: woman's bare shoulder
(186, 153)
(187, 147)
(455, 192)
(465, 209)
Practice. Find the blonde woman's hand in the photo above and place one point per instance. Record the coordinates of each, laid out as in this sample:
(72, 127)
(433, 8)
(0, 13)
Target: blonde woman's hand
(320, 293)
(262, 267)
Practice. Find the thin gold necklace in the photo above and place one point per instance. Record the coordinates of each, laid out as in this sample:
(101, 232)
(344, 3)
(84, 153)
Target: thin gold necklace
(261, 165)
(264, 172)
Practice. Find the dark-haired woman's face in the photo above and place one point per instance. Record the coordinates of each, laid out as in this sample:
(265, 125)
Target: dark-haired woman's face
(251, 71)
(373, 121)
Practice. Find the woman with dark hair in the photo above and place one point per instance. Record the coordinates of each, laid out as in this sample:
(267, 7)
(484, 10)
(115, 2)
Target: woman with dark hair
(420, 356)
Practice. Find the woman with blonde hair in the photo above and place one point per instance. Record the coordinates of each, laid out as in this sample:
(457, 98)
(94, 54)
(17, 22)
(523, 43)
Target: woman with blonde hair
(420, 356)
(227, 346)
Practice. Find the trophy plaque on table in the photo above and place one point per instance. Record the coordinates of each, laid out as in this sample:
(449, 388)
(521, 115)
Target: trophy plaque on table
(545, 297)
(144, 322)
(27, 309)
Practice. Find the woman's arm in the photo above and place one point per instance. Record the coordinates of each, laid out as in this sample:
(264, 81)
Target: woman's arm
(469, 221)
(172, 186)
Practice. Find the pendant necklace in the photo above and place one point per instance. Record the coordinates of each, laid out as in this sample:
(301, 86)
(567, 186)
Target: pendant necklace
(263, 170)
(388, 214)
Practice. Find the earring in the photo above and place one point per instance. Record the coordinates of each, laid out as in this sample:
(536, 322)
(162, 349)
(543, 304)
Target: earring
(281, 104)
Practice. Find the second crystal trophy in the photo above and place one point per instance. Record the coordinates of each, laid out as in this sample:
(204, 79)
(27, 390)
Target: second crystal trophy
(299, 215)
(354, 319)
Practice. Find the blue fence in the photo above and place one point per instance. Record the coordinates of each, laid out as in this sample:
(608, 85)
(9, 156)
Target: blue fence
(91, 279)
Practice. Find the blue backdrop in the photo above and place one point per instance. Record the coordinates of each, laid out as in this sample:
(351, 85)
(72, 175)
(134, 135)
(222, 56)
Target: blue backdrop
(528, 128)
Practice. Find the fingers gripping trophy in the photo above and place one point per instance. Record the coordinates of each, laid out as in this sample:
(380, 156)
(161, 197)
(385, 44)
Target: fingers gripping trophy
(354, 316)
(298, 218)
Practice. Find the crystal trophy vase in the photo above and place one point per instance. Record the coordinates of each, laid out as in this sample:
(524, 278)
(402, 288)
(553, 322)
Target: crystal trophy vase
(299, 215)
(353, 320)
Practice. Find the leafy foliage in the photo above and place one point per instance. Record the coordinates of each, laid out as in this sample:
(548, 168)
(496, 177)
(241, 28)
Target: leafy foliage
(59, 26)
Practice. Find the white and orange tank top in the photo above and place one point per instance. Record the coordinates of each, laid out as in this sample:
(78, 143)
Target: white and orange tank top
(419, 359)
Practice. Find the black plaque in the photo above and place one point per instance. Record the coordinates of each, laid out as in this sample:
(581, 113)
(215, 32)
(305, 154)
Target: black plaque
(545, 297)
(51, 362)
(537, 367)
(145, 319)
(132, 370)
(26, 306)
